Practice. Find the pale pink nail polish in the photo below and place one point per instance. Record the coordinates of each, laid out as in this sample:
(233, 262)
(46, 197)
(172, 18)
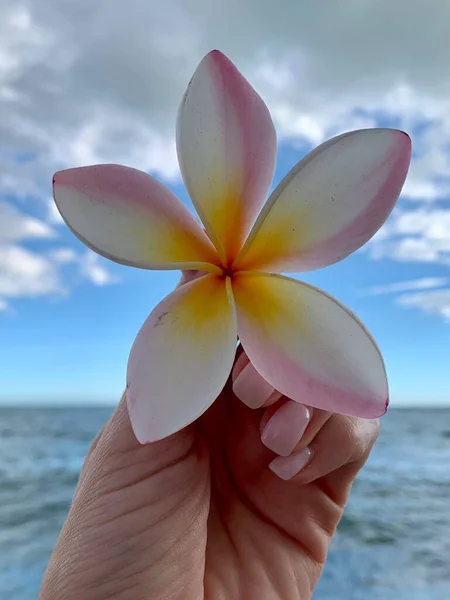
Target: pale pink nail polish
(251, 388)
(286, 467)
(286, 427)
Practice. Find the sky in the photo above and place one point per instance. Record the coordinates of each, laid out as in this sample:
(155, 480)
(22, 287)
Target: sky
(86, 82)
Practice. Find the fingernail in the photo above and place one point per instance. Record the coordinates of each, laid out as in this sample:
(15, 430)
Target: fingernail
(286, 467)
(285, 428)
(251, 388)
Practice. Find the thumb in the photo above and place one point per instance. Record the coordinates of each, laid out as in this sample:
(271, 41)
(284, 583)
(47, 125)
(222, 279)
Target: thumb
(116, 443)
(133, 506)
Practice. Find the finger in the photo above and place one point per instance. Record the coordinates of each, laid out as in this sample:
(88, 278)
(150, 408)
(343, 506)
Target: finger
(250, 387)
(341, 441)
(289, 426)
(118, 422)
(132, 502)
(116, 458)
(87, 460)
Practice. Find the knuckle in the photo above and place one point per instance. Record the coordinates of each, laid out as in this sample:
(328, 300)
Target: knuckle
(361, 434)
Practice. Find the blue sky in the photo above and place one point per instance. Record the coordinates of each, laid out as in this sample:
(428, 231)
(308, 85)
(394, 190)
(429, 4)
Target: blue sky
(68, 317)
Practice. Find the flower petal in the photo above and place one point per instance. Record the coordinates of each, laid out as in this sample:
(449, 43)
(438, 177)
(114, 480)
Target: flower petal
(331, 203)
(226, 146)
(308, 346)
(131, 218)
(181, 358)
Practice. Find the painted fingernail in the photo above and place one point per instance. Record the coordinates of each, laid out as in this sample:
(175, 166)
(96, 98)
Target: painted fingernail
(286, 467)
(286, 427)
(251, 388)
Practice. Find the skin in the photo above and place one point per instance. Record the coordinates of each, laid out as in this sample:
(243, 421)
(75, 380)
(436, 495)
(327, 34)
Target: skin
(199, 515)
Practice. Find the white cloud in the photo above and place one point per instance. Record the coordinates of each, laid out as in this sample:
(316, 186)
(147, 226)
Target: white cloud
(63, 256)
(436, 302)
(26, 273)
(14, 225)
(90, 265)
(84, 81)
(53, 215)
(417, 235)
(92, 269)
(406, 286)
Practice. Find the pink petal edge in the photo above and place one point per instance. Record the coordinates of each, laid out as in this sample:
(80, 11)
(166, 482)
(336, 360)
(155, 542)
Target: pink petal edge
(226, 145)
(130, 217)
(287, 343)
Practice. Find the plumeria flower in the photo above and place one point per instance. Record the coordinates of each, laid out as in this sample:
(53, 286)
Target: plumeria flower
(302, 341)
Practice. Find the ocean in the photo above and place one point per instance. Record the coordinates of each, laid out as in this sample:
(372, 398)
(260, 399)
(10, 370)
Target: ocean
(393, 542)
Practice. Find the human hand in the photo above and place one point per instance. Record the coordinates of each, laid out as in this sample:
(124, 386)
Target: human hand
(200, 515)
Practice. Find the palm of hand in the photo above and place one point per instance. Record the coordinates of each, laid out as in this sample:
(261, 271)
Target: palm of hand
(266, 538)
(198, 515)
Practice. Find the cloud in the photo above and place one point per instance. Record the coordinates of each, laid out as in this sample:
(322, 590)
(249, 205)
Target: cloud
(84, 82)
(436, 302)
(15, 225)
(64, 256)
(418, 235)
(26, 273)
(406, 286)
(94, 271)
(89, 263)
(407, 295)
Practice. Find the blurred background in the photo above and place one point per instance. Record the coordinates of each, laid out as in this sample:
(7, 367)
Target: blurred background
(85, 82)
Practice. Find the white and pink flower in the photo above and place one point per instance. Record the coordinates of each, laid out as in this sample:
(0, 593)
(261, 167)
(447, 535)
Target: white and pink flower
(301, 340)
